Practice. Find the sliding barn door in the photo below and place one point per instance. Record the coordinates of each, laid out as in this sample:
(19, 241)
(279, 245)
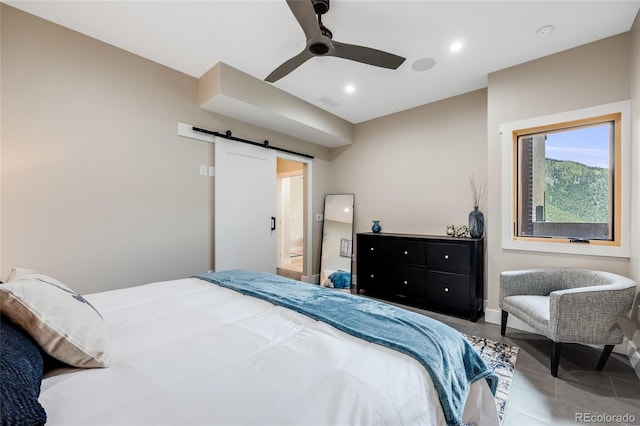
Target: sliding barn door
(245, 207)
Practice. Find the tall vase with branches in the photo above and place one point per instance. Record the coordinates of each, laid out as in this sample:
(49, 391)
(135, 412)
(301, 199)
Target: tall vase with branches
(476, 217)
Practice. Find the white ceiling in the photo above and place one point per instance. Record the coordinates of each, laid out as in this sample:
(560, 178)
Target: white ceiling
(257, 36)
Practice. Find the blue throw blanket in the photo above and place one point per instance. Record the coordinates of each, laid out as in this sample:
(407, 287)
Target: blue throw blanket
(448, 357)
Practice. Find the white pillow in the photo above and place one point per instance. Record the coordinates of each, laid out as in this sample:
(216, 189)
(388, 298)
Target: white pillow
(324, 278)
(63, 323)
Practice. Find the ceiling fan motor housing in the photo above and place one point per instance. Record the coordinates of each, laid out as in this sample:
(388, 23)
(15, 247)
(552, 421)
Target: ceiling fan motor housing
(320, 6)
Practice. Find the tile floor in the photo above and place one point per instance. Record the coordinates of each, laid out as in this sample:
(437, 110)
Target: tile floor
(537, 398)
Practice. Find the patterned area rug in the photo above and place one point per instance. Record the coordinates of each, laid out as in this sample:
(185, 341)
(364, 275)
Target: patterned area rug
(502, 359)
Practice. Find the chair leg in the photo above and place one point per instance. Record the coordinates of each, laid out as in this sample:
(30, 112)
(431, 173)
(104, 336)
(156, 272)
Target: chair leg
(604, 357)
(503, 323)
(555, 357)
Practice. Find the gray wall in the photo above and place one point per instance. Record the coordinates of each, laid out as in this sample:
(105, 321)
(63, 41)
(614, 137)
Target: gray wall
(411, 170)
(97, 189)
(589, 75)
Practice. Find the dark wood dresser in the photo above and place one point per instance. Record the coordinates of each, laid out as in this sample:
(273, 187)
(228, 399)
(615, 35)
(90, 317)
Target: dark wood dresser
(438, 273)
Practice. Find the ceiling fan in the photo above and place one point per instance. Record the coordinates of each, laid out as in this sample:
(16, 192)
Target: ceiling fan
(319, 42)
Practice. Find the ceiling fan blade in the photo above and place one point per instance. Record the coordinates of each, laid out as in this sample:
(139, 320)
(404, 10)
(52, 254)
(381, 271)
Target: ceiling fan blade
(306, 16)
(366, 55)
(289, 66)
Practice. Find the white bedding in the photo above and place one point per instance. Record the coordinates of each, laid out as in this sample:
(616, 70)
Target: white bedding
(188, 352)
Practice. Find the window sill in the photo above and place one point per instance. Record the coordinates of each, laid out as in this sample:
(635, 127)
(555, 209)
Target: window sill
(562, 245)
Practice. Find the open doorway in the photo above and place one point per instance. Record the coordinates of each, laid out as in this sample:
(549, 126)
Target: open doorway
(290, 235)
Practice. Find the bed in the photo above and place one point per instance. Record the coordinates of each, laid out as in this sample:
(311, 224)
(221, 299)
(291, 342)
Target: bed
(242, 347)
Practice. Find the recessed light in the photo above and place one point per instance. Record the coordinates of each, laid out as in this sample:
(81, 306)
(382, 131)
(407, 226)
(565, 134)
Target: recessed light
(546, 30)
(456, 46)
(350, 88)
(423, 64)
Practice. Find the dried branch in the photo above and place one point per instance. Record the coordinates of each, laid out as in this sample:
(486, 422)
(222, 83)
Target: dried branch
(477, 192)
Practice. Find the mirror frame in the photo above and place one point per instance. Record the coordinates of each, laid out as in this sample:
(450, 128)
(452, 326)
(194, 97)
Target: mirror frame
(334, 252)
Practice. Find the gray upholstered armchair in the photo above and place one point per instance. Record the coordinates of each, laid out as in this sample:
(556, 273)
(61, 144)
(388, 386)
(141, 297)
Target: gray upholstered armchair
(568, 306)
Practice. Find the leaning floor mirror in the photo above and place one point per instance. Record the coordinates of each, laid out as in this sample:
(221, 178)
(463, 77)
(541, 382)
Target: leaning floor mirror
(337, 241)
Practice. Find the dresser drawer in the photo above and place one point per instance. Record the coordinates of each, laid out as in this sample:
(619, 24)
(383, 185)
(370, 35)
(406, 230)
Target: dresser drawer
(409, 282)
(407, 252)
(449, 258)
(372, 279)
(371, 249)
(448, 290)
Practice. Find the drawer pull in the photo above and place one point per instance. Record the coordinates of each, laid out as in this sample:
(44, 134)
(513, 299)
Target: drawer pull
(406, 252)
(446, 289)
(405, 282)
(371, 249)
(373, 276)
(446, 256)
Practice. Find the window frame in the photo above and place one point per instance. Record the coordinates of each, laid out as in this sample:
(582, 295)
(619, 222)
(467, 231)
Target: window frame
(619, 245)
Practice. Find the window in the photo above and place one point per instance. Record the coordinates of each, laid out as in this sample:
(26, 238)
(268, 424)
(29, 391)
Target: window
(566, 182)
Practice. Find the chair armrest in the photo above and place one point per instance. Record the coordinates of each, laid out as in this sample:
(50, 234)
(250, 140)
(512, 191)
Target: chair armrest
(589, 314)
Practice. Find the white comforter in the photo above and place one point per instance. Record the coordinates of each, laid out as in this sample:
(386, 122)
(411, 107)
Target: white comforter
(188, 352)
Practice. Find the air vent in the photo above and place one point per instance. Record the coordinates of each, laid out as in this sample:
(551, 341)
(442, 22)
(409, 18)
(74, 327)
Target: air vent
(327, 100)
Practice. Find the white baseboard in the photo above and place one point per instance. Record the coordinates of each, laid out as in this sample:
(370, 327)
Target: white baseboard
(494, 316)
(313, 279)
(634, 357)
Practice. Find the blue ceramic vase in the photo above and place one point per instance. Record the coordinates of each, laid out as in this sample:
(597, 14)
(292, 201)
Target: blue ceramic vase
(476, 223)
(376, 228)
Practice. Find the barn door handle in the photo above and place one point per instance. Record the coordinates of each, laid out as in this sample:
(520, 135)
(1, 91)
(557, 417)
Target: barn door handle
(273, 223)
